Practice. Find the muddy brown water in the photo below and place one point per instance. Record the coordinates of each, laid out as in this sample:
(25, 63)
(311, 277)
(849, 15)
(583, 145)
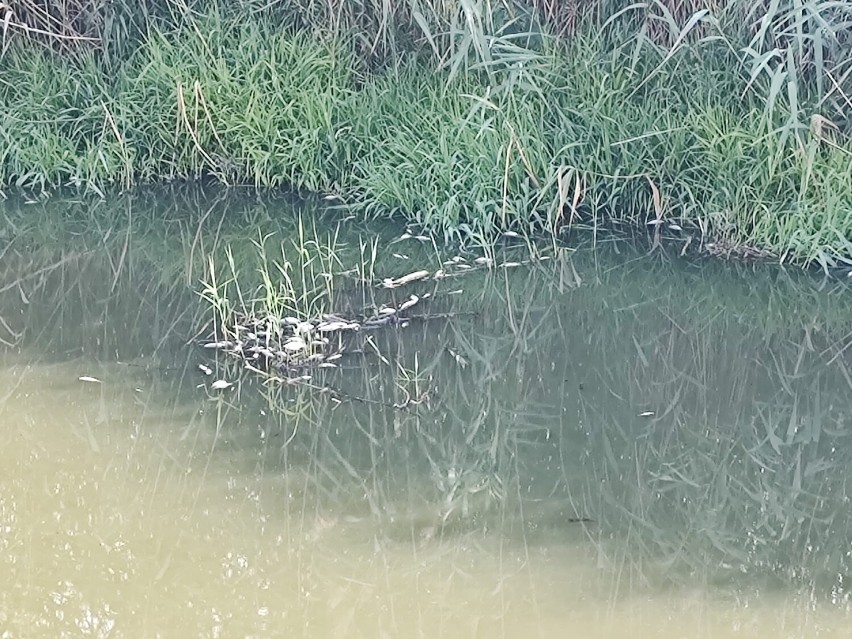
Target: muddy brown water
(697, 414)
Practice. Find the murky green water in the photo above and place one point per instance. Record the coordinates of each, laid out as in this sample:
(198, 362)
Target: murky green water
(698, 415)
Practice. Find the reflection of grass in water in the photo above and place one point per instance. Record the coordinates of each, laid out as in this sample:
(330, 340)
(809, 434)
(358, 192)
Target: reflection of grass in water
(735, 466)
(548, 404)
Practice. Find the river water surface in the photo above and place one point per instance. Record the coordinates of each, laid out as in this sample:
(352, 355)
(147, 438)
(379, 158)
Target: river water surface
(610, 443)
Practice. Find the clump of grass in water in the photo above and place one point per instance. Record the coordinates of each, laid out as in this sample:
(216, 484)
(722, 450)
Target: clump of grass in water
(274, 326)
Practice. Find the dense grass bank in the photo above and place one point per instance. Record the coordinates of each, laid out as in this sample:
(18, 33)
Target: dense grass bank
(539, 137)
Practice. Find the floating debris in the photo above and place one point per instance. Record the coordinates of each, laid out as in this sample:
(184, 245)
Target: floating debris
(284, 348)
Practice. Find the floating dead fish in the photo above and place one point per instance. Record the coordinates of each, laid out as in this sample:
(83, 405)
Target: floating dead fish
(332, 327)
(295, 344)
(439, 274)
(327, 365)
(411, 301)
(91, 380)
(483, 260)
(675, 227)
(463, 267)
(646, 413)
(224, 344)
(292, 321)
(423, 238)
(400, 256)
(220, 384)
(334, 357)
(405, 279)
(387, 310)
(461, 361)
(510, 264)
(205, 369)
(304, 327)
(402, 238)
(510, 234)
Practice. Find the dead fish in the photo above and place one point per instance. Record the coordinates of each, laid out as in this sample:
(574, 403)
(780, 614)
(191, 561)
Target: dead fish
(304, 327)
(402, 238)
(439, 274)
(483, 260)
(510, 234)
(405, 279)
(205, 369)
(411, 301)
(224, 344)
(510, 264)
(461, 361)
(331, 327)
(91, 380)
(387, 310)
(220, 384)
(334, 357)
(295, 344)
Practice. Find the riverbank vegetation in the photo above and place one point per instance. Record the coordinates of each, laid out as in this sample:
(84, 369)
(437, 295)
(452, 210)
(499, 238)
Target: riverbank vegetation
(468, 118)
